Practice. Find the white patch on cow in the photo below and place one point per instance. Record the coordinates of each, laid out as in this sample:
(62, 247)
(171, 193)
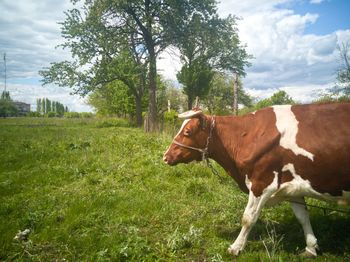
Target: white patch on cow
(301, 213)
(346, 194)
(297, 187)
(248, 183)
(178, 133)
(182, 127)
(251, 213)
(345, 199)
(287, 125)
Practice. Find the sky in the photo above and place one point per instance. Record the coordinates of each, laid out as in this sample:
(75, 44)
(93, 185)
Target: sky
(294, 44)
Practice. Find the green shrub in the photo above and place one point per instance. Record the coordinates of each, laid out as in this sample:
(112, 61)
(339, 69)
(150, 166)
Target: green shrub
(52, 114)
(78, 115)
(114, 122)
(323, 99)
(71, 115)
(33, 114)
(170, 116)
(86, 115)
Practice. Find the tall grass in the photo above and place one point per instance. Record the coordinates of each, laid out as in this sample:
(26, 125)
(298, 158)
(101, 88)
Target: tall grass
(91, 191)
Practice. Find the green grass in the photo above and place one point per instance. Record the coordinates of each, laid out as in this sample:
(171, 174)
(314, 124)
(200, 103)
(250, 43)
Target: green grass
(97, 190)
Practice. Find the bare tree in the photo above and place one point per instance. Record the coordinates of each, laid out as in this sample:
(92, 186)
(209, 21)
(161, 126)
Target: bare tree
(343, 73)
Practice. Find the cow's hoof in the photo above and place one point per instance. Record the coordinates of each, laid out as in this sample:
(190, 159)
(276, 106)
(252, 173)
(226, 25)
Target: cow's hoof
(308, 254)
(233, 250)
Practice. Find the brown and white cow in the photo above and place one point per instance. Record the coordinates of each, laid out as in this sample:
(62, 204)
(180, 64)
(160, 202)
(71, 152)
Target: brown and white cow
(274, 154)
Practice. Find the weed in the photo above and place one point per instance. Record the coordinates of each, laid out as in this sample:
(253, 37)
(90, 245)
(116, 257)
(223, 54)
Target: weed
(273, 242)
(178, 240)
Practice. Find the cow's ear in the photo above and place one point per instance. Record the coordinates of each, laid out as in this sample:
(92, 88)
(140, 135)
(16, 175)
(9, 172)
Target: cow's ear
(191, 114)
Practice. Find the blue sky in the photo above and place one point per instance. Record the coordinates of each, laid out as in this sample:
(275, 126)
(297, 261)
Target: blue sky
(333, 15)
(294, 44)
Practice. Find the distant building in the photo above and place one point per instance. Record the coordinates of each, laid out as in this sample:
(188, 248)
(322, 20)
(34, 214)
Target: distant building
(22, 108)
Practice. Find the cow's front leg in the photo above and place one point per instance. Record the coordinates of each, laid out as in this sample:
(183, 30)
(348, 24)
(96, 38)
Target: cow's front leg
(301, 213)
(250, 216)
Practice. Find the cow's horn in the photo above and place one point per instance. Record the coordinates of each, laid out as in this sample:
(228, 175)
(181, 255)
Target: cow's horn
(190, 114)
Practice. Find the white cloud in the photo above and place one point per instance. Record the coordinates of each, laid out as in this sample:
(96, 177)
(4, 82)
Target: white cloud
(316, 1)
(29, 93)
(303, 93)
(169, 63)
(285, 57)
(29, 33)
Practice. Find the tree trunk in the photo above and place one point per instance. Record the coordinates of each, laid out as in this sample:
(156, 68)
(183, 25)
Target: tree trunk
(190, 102)
(138, 104)
(235, 94)
(152, 105)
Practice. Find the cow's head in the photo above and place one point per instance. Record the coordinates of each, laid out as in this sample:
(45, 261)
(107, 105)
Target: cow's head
(190, 140)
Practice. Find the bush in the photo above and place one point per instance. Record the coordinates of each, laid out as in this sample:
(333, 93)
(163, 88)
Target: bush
(33, 114)
(86, 115)
(171, 122)
(170, 116)
(7, 108)
(324, 99)
(52, 114)
(78, 115)
(113, 122)
(71, 115)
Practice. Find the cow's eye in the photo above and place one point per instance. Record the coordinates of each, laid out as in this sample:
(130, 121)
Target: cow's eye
(187, 132)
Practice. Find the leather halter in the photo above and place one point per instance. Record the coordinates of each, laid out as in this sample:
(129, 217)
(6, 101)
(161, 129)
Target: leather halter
(203, 151)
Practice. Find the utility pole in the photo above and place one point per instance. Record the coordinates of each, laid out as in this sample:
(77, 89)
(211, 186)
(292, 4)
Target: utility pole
(5, 70)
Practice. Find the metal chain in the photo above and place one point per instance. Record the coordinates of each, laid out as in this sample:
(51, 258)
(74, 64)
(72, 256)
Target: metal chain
(205, 153)
(213, 170)
(319, 207)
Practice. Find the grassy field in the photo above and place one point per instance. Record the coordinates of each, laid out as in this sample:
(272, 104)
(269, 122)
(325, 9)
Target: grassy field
(97, 190)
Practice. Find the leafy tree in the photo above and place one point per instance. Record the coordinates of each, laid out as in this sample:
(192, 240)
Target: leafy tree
(278, 98)
(43, 106)
(127, 69)
(99, 44)
(220, 98)
(5, 95)
(48, 105)
(208, 43)
(38, 105)
(196, 78)
(176, 97)
(101, 31)
(113, 98)
(53, 106)
(7, 107)
(168, 92)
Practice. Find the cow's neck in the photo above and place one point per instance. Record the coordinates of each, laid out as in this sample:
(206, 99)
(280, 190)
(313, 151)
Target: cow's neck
(224, 146)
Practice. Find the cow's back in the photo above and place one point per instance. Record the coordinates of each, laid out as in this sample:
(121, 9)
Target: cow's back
(323, 136)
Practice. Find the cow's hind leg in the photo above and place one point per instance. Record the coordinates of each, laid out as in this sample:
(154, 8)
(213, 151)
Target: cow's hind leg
(250, 216)
(301, 213)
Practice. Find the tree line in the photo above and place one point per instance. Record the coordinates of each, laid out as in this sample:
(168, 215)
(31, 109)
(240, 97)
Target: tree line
(45, 106)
